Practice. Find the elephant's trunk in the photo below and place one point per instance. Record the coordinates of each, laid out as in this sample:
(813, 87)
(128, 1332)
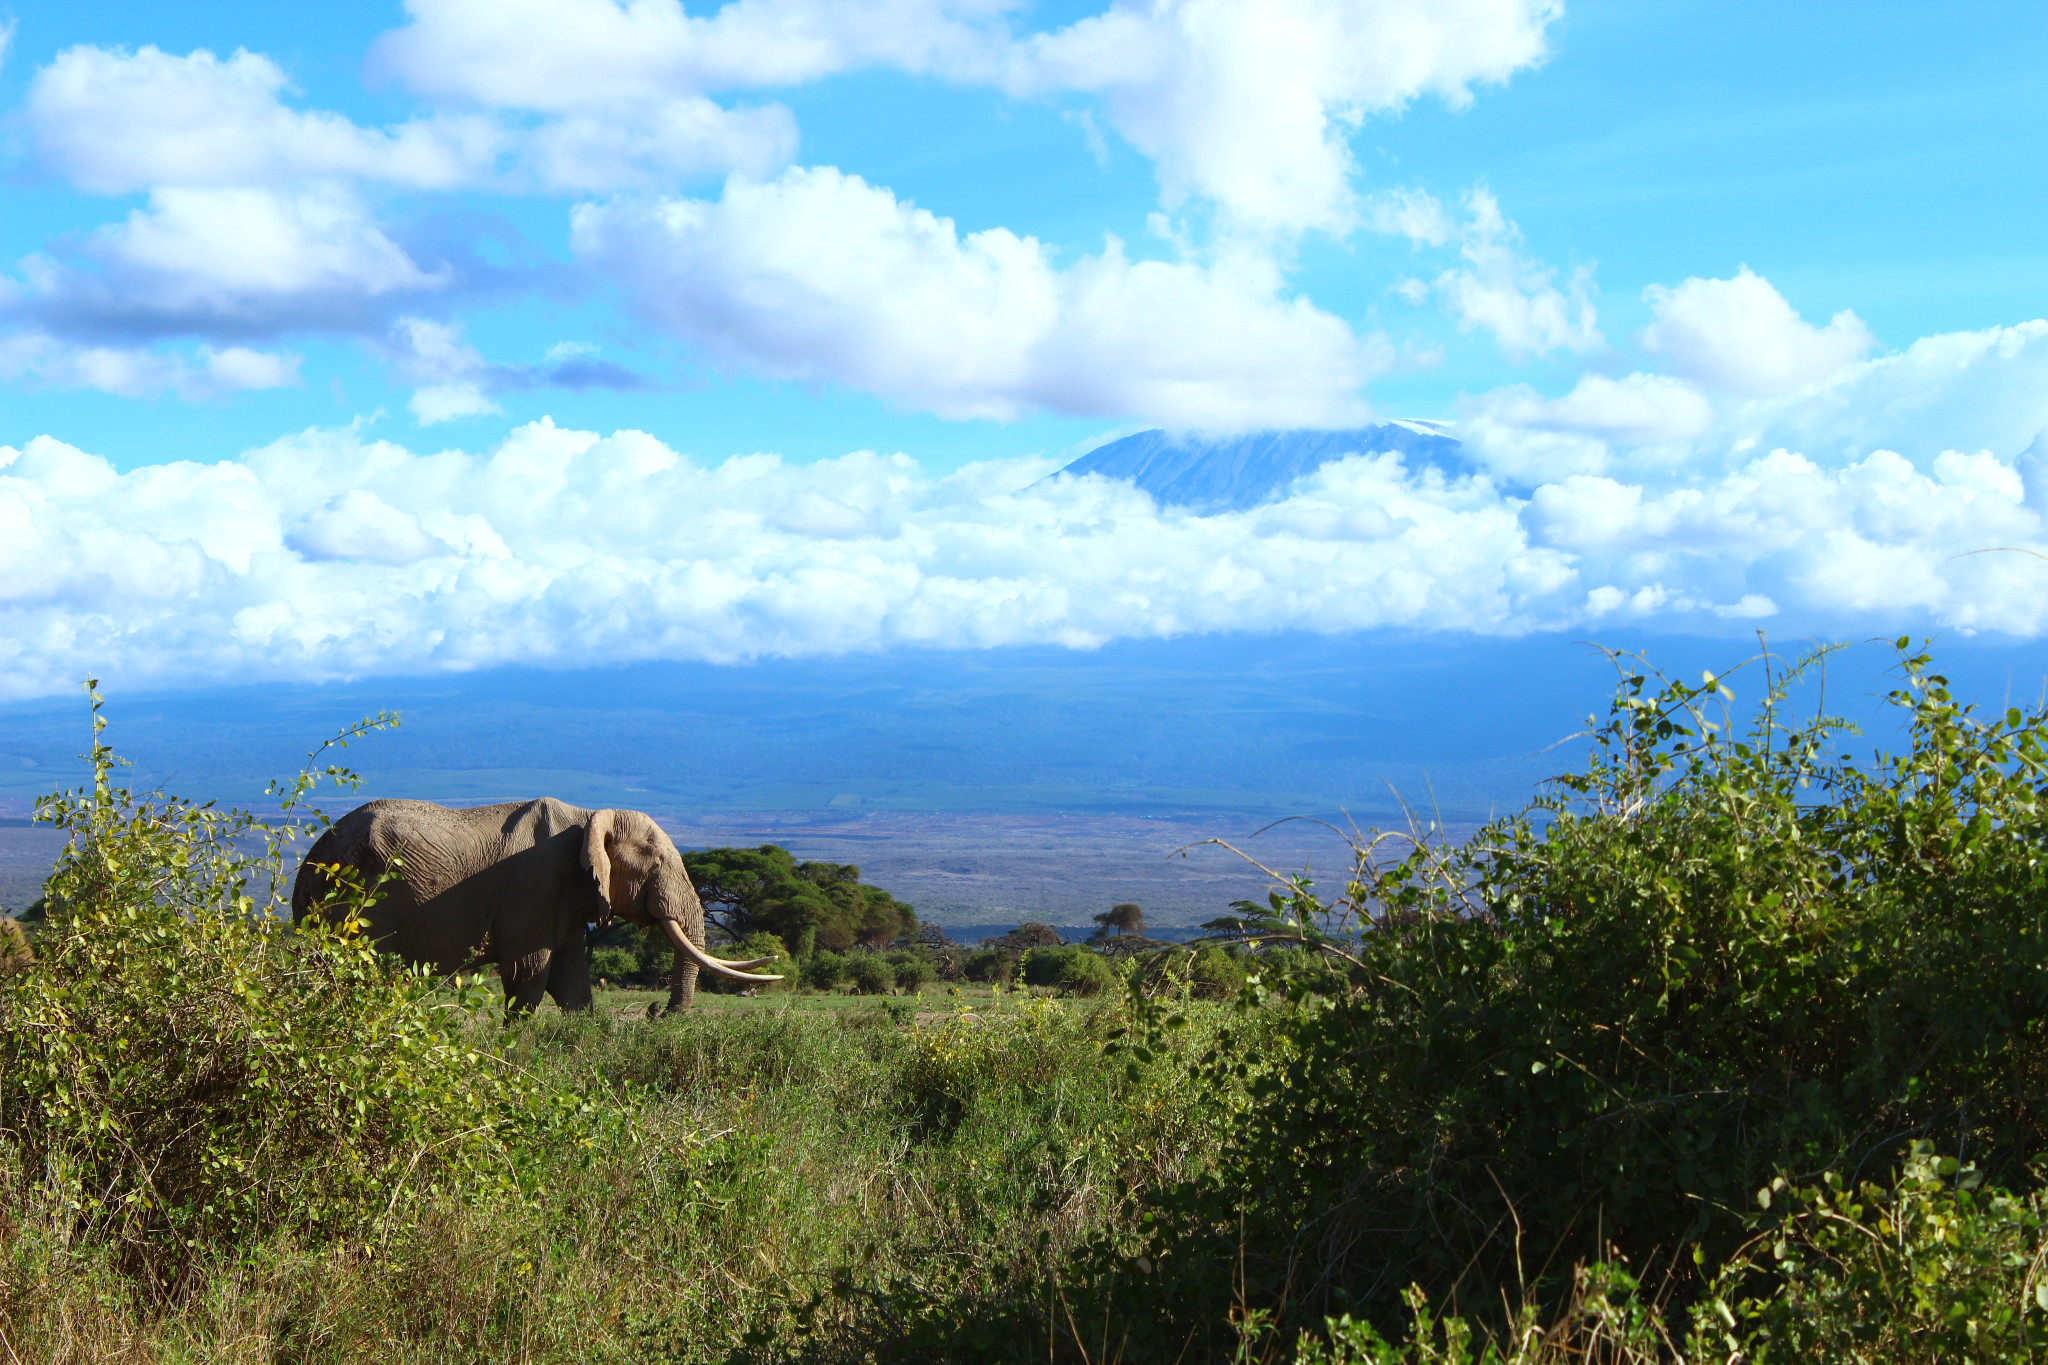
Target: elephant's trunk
(729, 970)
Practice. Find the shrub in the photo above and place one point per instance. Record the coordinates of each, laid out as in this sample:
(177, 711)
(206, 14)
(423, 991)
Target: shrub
(824, 971)
(871, 974)
(613, 964)
(1932, 1267)
(1070, 968)
(1086, 974)
(757, 944)
(187, 1073)
(1215, 973)
(911, 971)
(1697, 964)
(995, 965)
(1042, 966)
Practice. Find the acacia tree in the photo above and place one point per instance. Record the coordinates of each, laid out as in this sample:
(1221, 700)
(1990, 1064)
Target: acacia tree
(1121, 918)
(809, 905)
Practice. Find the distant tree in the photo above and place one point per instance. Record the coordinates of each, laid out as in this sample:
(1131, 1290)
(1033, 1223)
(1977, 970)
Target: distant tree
(1026, 936)
(810, 906)
(1122, 918)
(932, 937)
(613, 964)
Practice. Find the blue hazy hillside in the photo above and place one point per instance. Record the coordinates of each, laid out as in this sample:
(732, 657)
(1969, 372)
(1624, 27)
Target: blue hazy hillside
(1213, 474)
(1282, 725)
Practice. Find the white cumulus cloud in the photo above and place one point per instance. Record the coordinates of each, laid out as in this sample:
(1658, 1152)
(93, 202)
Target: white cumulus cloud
(566, 56)
(819, 276)
(144, 372)
(224, 262)
(1251, 103)
(1248, 104)
(330, 554)
(1502, 290)
(1522, 435)
(115, 122)
(1742, 336)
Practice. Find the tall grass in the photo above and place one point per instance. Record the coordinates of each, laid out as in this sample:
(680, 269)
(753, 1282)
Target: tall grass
(772, 1162)
(1725, 1050)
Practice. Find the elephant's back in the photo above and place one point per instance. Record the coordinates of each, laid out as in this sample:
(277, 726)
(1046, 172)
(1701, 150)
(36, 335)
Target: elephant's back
(428, 839)
(451, 871)
(436, 845)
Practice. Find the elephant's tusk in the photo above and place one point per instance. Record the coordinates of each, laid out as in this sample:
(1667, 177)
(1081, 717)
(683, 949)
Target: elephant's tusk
(729, 970)
(749, 964)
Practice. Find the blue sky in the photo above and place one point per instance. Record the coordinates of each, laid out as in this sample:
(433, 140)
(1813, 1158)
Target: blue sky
(443, 336)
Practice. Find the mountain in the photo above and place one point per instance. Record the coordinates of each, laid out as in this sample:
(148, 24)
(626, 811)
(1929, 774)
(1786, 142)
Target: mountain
(1233, 473)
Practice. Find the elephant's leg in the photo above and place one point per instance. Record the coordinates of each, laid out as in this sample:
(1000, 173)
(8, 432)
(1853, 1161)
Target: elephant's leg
(682, 988)
(526, 979)
(569, 975)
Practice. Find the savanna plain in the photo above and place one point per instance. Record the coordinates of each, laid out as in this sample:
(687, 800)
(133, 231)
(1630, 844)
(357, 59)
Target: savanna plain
(1730, 1046)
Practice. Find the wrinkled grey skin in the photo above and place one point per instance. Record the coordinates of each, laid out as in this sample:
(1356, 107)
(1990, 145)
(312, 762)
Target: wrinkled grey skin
(527, 874)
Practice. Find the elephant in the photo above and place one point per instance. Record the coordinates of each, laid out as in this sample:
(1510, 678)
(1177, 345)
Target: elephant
(15, 954)
(526, 876)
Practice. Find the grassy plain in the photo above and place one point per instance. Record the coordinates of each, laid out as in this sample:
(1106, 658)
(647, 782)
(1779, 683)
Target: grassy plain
(1726, 1050)
(775, 1155)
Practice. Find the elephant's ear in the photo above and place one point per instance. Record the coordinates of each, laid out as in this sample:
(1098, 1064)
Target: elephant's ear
(597, 854)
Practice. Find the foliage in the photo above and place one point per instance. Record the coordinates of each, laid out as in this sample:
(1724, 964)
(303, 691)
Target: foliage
(810, 905)
(998, 965)
(1934, 1267)
(1216, 973)
(611, 963)
(824, 971)
(758, 944)
(1938, 1266)
(912, 970)
(185, 1073)
(1698, 964)
(870, 974)
(1121, 918)
(782, 1172)
(1071, 968)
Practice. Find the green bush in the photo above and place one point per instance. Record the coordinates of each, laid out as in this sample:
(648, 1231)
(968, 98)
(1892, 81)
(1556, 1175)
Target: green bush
(1043, 966)
(186, 1073)
(758, 944)
(1216, 973)
(1934, 1267)
(1700, 963)
(995, 965)
(1086, 974)
(1071, 968)
(824, 971)
(613, 964)
(911, 970)
(871, 974)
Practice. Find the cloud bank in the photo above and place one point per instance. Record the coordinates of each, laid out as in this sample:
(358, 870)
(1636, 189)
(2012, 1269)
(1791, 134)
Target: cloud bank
(331, 554)
(265, 221)
(821, 277)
